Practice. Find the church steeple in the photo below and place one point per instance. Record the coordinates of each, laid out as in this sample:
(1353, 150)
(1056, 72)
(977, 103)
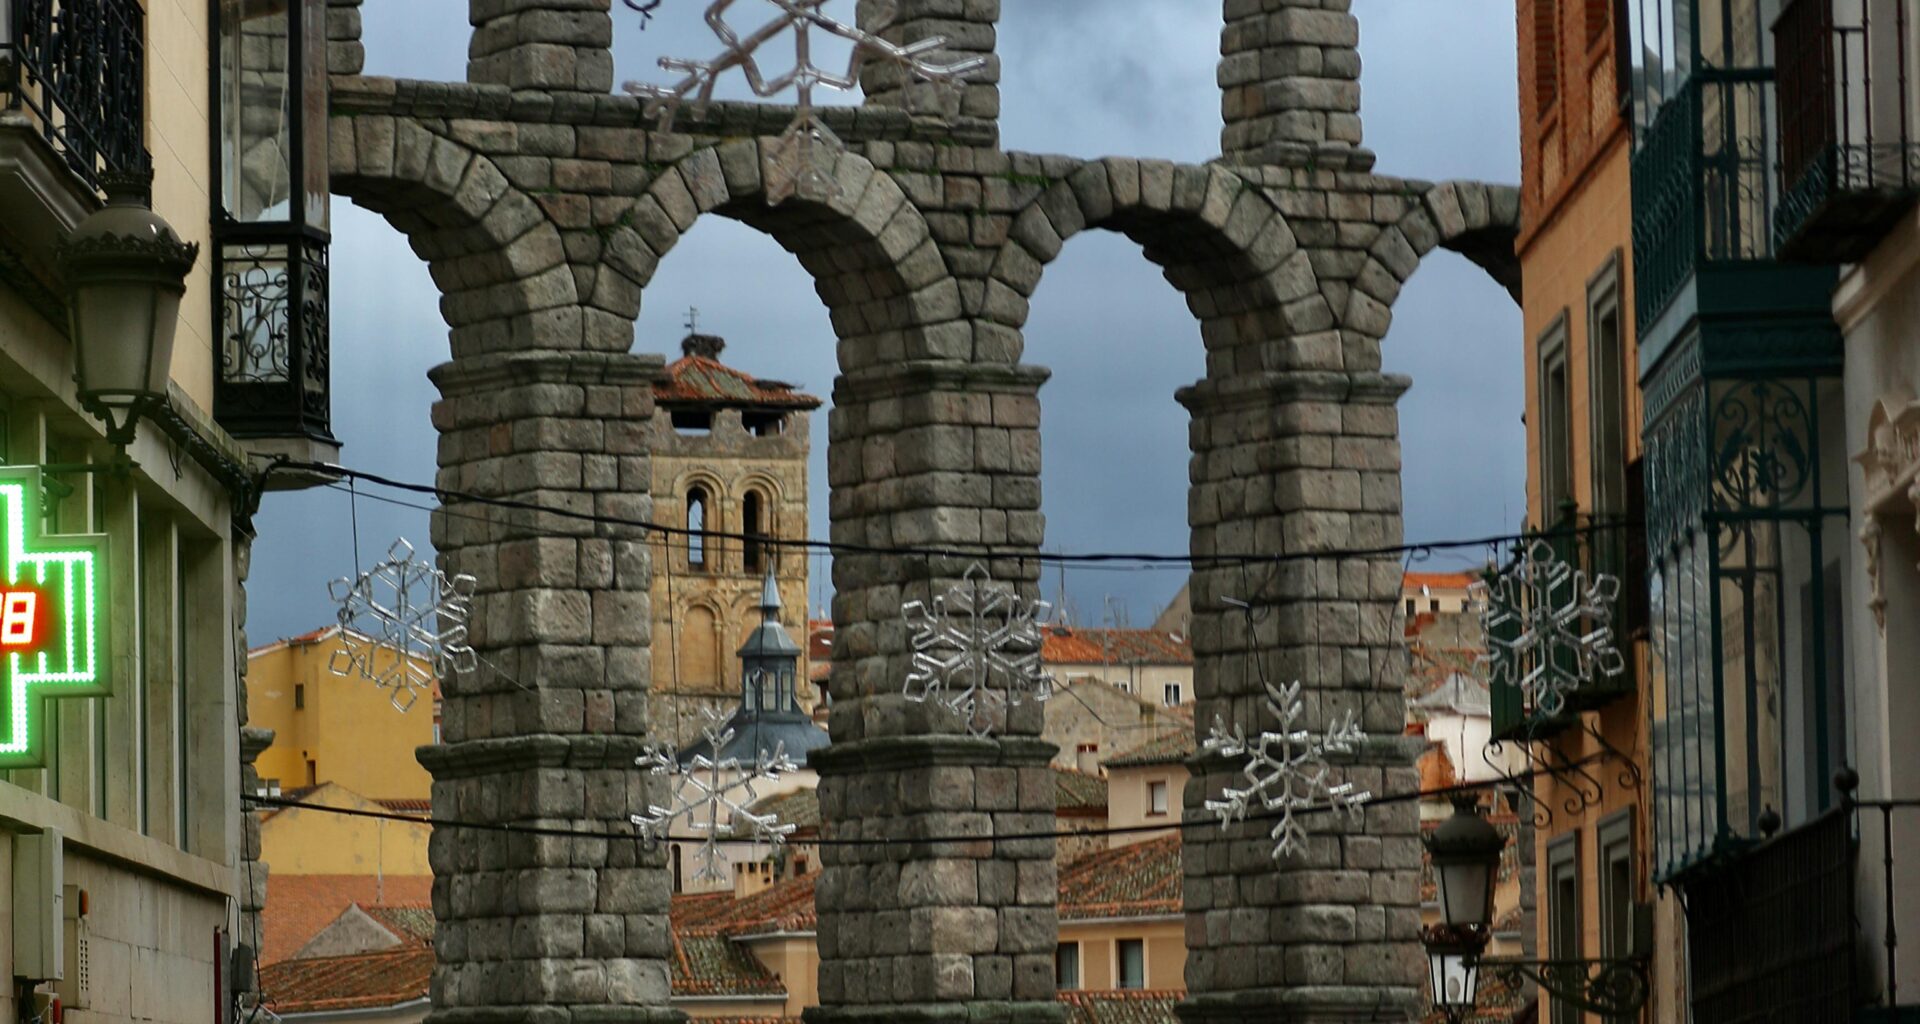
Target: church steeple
(769, 659)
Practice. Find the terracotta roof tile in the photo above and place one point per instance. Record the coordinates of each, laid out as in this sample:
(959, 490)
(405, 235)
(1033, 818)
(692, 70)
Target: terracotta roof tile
(1139, 1006)
(362, 981)
(1413, 581)
(1063, 645)
(697, 379)
(1127, 881)
(412, 922)
(784, 907)
(299, 906)
(800, 808)
(706, 964)
(1078, 791)
(1169, 746)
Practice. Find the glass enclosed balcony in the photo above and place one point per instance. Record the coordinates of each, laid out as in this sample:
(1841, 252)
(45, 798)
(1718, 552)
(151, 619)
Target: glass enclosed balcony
(1849, 163)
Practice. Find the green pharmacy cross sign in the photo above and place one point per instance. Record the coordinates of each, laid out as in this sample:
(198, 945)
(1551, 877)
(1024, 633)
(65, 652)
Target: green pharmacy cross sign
(51, 643)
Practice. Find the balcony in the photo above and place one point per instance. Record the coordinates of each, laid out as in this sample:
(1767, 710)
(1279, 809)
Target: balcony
(1592, 552)
(1849, 163)
(1804, 926)
(76, 69)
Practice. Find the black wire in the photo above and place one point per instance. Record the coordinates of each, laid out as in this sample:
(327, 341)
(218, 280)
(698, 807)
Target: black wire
(1200, 822)
(980, 551)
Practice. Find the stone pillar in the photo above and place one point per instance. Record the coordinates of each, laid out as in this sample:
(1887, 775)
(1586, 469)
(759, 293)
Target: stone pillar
(1290, 83)
(549, 45)
(1291, 463)
(970, 28)
(545, 733)
(346, 55)
(963, 929)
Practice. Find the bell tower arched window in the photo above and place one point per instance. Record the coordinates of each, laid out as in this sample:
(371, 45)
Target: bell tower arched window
(697, 528)
(753, 524)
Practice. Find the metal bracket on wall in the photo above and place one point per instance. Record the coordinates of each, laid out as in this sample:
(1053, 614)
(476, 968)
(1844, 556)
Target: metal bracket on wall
(1607, 987)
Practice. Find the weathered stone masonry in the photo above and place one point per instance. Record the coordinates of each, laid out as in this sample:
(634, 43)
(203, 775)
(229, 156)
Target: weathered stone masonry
(543, 205)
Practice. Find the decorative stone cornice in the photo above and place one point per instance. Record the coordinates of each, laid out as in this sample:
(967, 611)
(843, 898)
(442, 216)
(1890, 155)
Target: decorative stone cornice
(932, 375)
(475, 758)
(894, 753)
(1252, 391)
(514, 369)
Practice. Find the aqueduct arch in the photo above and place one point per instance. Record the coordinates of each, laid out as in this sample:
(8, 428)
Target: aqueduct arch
(543, 204)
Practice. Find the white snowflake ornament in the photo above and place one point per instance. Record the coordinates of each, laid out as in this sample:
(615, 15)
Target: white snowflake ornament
(1548, 627)
(801, 161)
(1286, 771)
(976, 650)
(414, 613)
(712, 794)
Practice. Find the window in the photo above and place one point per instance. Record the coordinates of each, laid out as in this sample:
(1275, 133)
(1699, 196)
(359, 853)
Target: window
(1434, 605)
(1410, 612)
(1131, 969)
(1173, 694)
(697, 528)
(673, 862)
(1066, 966)
(764, 424)
(1607, 387)
(1597, 21)
(313, 773)
(752, 523)
(1546, 55)
(1556, 426)
(299, 696)
(1617, 901)
(1157, 797)
(1563, 912)
(693, 424)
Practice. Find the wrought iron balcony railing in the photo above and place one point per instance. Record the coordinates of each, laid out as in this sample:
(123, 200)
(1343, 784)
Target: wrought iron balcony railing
(1804, 926)
(1849, 161)
(78, 68)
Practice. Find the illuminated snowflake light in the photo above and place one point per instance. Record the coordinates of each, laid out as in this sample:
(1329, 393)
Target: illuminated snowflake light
(976, 650)
(712, 794)
(1549, 627)
(403, 624)
(795, 163)
(1286, 771)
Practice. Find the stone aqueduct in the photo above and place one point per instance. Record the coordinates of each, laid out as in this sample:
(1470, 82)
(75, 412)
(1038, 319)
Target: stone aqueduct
(543, 204)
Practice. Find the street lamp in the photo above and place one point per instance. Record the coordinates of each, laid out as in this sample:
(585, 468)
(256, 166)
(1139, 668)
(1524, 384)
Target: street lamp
(125, 271)
(1466, 850)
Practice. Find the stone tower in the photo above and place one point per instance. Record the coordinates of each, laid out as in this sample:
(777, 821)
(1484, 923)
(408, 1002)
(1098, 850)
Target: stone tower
(730, 459)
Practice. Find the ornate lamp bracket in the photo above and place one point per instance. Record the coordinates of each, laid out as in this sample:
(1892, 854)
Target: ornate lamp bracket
(1609, 987)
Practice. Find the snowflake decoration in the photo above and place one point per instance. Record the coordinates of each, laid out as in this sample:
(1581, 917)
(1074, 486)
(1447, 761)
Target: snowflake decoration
(413, 612)
(794, 163)
(708, 785)
(1549, 627)
(1286, 771)
(976, 650)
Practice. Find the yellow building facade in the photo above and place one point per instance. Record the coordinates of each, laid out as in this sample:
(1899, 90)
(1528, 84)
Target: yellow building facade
(1593, 858)
(334, 729)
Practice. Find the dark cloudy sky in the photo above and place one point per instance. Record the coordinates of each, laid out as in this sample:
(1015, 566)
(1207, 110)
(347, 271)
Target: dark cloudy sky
(1083, 77)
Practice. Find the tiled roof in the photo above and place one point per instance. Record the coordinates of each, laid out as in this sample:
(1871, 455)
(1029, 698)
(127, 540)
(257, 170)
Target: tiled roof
(363, 981)
(697, 379)
(1170, 746)
(1063, 645)
(800, 808)
(705, 964)
(1413, 581)
(406, 805)
(1127, 881)
(412, 922)
(1078, 791)
(784, 907)
(1139, 1006)
(298, 906)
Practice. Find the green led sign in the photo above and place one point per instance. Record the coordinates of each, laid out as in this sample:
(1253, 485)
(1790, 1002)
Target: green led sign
(51, 642)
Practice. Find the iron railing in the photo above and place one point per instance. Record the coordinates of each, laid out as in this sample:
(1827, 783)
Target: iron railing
(1848, 159)
(79, 68)
(1805, 926)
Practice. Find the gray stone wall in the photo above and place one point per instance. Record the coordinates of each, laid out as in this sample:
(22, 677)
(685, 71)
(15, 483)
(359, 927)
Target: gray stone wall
(543, 211)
